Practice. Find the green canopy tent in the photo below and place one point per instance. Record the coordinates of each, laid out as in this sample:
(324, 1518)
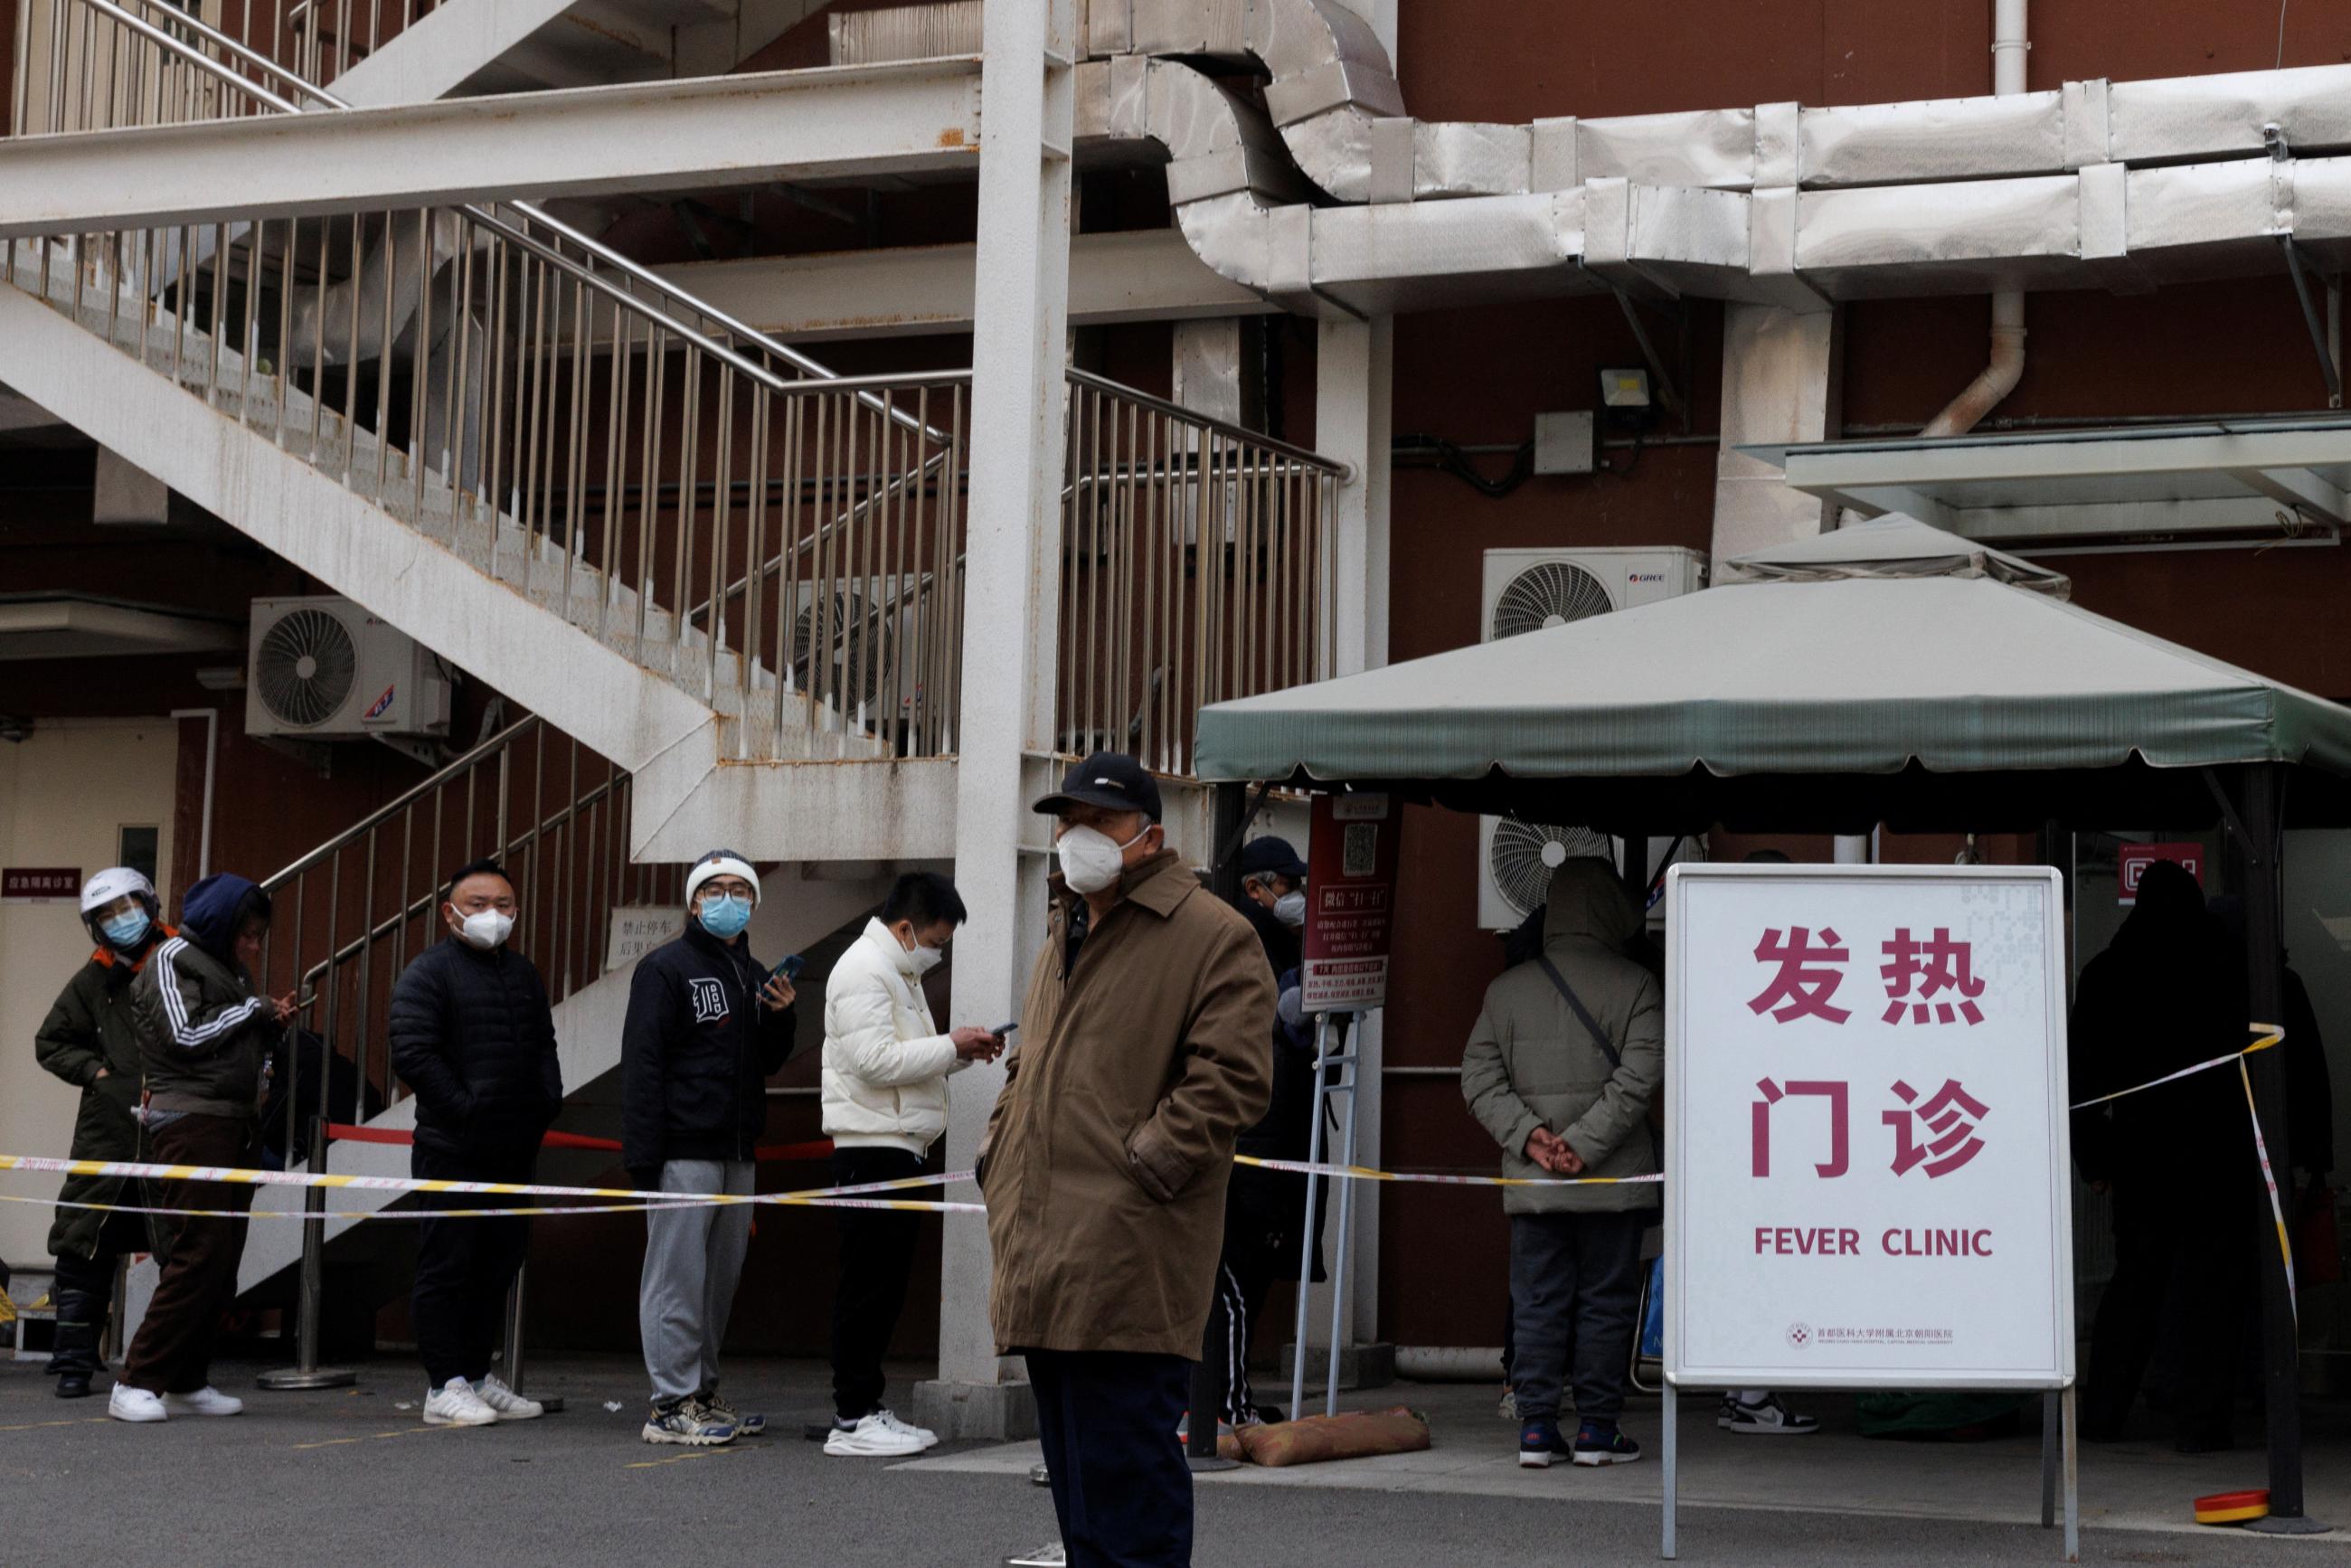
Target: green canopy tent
(1890, 673)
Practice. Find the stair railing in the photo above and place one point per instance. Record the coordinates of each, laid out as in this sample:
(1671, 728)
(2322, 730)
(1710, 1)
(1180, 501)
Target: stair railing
(350, 914)
(1198, 564)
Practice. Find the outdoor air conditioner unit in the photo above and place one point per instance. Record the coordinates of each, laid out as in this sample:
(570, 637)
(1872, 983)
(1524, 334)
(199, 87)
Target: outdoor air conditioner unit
(863, 648)
(322, 668)
(1527, 590)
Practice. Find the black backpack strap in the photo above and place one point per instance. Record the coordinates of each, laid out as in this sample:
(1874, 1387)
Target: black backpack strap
(1575, 1004)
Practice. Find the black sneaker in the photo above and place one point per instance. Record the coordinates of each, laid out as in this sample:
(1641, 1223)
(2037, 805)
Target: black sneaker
(73, 1386)
(1598, 1444)
(1767, 1418)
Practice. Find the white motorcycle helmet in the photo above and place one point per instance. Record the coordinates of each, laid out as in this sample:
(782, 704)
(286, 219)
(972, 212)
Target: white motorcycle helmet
(111, 884)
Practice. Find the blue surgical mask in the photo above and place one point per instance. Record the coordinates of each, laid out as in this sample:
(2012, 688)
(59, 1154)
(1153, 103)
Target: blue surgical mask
(126, 930)
(724, 916)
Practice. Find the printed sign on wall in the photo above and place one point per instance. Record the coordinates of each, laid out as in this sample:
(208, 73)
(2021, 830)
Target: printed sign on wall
(40, 884)
(1351, 871)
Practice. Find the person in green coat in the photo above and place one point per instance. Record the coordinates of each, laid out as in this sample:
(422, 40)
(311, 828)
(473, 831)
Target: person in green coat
(89, 1040)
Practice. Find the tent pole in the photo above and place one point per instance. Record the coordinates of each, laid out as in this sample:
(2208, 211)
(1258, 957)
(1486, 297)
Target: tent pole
(2260, 843)
(1232, 813)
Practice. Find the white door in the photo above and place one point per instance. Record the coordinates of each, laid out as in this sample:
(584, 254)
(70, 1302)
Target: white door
(73, 793)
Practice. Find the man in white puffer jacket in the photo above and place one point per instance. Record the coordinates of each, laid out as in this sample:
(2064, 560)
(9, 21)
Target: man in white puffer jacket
(885, 1102)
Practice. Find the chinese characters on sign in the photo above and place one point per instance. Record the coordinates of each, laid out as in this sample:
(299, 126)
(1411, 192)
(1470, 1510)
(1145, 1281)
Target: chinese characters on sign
(1866, 1130)
(1351, 863)
(40, 884)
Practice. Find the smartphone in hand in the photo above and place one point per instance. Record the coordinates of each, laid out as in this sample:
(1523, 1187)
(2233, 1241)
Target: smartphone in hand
(1000, 1030)
(790, 969)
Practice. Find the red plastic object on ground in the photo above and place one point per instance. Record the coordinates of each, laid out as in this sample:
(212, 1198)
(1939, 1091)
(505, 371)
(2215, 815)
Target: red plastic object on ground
(2232, 1506)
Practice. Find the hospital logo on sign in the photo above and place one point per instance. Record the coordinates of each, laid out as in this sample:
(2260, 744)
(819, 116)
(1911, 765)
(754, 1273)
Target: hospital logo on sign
(1799, 1335)
(709, 1001)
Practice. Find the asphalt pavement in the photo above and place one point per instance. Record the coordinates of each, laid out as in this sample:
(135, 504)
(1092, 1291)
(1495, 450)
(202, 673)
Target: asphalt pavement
(351, 1479)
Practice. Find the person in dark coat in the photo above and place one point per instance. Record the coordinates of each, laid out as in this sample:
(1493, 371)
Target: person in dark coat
(205, 1043)
(707, 1026)
(473, 1037)
(2168, 993)
(90, 1040)
(1265, 1211)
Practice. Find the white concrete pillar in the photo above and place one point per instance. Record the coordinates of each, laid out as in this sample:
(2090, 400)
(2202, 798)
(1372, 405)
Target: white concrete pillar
(1353, 421)
(1011, 586)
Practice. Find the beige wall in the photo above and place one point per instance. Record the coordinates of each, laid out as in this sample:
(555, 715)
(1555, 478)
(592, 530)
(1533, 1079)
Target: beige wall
(67, 790)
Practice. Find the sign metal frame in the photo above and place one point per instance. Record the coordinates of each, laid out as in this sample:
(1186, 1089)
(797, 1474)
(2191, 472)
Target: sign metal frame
(2057, 1376)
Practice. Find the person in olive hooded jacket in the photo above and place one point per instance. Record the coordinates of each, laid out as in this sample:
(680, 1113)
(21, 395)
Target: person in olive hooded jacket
(90, 1040)
(1560, 1070)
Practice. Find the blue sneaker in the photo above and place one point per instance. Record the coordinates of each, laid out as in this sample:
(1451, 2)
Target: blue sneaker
(1538, 1443)
(1601, 1443)
(715, 1407)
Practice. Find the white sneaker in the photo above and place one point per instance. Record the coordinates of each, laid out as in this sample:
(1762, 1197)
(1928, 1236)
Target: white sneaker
(872, 1438)
(928, 1438)
(128, 1403)
(509, 1405)
(204, 1401)
(455, 1404)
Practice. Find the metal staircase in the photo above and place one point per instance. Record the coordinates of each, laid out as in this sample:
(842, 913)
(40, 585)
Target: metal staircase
(352, 912)
(678, 540)
(780, 546)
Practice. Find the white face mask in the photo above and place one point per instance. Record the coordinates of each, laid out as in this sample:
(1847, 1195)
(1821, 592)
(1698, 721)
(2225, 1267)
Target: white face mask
(1290, 908)
(486, 928)
(923, 960)
(1091, 860)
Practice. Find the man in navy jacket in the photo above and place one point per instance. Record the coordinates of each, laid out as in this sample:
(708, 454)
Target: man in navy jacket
(707, 1025)
(473, 1035)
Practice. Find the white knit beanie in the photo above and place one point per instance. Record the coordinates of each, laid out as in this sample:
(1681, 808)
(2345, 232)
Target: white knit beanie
(720, 863)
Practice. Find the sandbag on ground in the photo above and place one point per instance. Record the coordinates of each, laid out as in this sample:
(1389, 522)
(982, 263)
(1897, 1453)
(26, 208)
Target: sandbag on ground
(1355, 1435)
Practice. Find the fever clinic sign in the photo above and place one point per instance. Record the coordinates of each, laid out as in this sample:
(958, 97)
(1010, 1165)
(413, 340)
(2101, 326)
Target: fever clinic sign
(1867, 1154)
(1351, 873)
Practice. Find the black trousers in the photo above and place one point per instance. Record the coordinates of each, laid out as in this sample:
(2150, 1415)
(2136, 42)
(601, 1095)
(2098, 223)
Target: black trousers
(1244, 1279)
(85, 1292)
(877, 1257)
(1121, 1488)
(1575, 1289)
(2194, 1242)
(464, 1267)
(172, 1352)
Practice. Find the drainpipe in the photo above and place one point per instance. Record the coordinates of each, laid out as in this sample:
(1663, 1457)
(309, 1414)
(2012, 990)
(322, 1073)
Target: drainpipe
(1999, 375)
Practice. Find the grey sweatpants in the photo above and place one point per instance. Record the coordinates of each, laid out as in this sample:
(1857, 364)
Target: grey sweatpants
(693, 1256)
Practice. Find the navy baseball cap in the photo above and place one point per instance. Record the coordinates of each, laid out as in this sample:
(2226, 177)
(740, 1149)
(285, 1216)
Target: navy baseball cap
(1111, 780)
(1271, 857)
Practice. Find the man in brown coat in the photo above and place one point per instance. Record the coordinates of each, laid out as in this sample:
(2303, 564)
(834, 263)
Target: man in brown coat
(1143, 1051)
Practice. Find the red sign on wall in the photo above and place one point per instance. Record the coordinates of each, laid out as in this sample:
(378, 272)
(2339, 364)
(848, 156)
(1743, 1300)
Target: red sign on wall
(2137, 858)
(40, 884)
(1351, 869)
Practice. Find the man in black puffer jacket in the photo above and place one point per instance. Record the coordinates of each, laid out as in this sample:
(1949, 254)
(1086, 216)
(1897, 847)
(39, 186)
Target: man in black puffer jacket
(707, 1025)
(473, 1035)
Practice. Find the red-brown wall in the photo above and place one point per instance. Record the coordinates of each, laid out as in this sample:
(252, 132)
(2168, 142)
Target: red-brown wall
(1480, 376)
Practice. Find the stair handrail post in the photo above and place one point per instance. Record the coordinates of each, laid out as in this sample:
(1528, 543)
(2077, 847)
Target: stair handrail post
(306, 1376)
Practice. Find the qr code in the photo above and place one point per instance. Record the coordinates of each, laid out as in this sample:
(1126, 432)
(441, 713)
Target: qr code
(1360, 854)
